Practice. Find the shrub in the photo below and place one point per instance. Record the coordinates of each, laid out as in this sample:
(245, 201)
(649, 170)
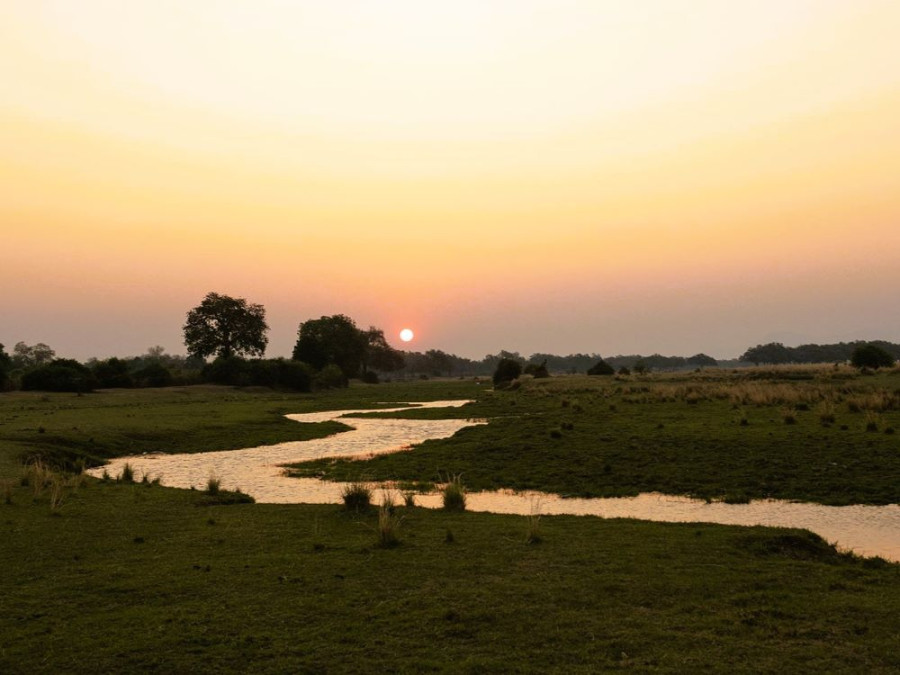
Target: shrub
(112, 373)
(871, 356)
(507, 371)
(330, 377)
(59, 375)
(153, 375)
(601, 368)
(537, 370)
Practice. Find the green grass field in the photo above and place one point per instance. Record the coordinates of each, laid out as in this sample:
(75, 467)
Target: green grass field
(121, 577)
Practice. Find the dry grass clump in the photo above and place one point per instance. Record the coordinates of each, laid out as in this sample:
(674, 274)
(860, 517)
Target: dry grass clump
(387, 530)
(357, 496)
(454, 495)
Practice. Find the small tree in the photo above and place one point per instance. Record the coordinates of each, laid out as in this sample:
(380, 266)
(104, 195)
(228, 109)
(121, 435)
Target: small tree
(507, 370)
(5, 367)
(226, 327)
(871, 356)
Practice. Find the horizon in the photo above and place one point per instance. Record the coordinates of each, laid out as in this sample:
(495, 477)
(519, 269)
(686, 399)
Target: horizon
(534, 176)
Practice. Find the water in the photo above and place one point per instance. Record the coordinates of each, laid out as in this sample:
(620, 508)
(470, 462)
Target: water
(866, 530)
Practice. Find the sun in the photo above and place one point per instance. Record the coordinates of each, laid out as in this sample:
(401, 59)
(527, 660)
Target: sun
(406, 335)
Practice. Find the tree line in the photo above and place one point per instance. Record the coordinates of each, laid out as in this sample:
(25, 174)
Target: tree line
(332, 350)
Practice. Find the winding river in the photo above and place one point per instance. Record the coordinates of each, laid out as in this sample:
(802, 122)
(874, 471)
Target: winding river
(866, 530)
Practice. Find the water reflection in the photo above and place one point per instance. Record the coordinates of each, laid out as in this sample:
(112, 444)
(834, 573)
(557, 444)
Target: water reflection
(867, 530)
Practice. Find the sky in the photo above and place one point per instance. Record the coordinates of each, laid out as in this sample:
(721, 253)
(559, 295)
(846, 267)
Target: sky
(613, 177)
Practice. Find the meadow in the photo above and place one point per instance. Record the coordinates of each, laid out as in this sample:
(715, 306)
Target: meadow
(124, 576)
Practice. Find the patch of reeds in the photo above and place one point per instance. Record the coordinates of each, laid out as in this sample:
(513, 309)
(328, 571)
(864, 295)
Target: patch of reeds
(409, 499)
(357, 496)
(454, 494)
(127, 475)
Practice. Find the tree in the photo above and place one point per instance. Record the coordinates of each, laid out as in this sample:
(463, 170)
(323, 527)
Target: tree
(378, 354)
(226, 327)
(702, 360)
(5, 367)
(871, 356)
(332, 340)
(30, 357)
(507, 371)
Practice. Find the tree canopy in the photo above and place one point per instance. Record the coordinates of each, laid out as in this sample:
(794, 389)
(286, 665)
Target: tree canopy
(226, 327)
(335, 340)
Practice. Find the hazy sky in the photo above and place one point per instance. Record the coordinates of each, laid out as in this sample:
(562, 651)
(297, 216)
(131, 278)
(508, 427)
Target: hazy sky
(556, 176)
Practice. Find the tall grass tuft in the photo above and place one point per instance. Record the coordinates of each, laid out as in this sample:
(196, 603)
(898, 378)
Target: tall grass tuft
(127, 475)
(388, 528)
(409, 499)
(57, 494)
(533, 533)
(454, 495)
(357, 496)
(213, 484)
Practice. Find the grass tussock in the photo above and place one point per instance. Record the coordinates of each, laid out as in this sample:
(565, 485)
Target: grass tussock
(127, 475)
(454, 494)
(387, 530)
(357, 496)
(213, 484)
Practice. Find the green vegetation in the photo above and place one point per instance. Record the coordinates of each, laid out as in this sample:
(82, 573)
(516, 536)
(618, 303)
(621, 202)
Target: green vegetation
(136, 577)
(746, 434)
(114, 576)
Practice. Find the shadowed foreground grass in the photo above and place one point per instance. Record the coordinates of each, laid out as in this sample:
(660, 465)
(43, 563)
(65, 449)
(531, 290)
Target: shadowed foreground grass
(133, 577)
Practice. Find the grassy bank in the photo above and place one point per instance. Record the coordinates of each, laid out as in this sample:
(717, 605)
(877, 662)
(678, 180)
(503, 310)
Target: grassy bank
(65, 429)
(132, 577)
(824, 435)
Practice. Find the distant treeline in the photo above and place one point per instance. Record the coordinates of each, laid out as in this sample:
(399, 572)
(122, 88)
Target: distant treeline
(437, 363)
(776, 353)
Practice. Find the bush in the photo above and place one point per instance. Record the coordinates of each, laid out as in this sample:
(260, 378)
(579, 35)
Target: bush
(59, 375)
(153, 375)
(507, 370)
(112, 373)
(871, 356)
(537, 371)
(330, 377)
(601, 368)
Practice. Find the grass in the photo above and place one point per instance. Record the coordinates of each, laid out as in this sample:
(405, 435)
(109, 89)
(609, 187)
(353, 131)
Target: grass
(357, 496)
(453, 494)
(121, 577)
(707, 435)
(132, 578)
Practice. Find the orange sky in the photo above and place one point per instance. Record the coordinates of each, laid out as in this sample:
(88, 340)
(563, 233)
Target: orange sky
(610, 177)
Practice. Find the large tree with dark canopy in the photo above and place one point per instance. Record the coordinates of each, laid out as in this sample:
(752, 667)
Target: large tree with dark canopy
(226, 327)
(331, 340)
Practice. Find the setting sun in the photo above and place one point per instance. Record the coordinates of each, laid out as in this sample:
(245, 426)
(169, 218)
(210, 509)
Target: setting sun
(406, 335)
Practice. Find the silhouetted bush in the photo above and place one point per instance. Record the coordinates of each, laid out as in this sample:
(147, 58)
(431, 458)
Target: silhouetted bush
(537, 370)
(275, 373)
(871, 356)
(601, 368)
(330, 377)
(370, 377)
(59, 375)
(112, 373)
(507, 370)
(152, 375)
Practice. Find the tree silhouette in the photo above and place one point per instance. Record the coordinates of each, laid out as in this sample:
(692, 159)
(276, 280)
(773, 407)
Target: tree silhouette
(226, 326)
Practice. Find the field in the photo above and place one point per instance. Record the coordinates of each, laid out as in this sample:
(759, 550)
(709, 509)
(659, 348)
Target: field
(117, 576)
